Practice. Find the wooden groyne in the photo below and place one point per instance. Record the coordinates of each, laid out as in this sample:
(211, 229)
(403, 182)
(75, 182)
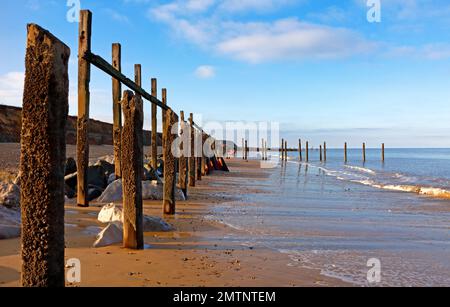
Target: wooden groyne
(43, 155)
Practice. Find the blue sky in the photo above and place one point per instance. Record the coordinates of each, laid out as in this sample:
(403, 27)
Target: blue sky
(316, 66)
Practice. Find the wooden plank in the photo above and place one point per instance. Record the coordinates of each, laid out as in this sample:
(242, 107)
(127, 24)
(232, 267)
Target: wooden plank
(84, 76)
(103, 65)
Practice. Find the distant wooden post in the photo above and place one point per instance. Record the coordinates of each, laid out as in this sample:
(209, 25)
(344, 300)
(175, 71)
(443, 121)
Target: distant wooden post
(117, 110)
(364, 152)
(183, 170)
(382, 152)
(320, 149)
(42, 159)
(199, 151)
(84, 77)
(154, 148)
(170, 173)
(300, 157)
(132, 155)
(262, 149)
(192, 153)
(285, 150)
(282, 150)
(243, 149)
(266, 151)
(203, 164)
(246, 150)
(345, 153)
(325, 151)
(307, 151)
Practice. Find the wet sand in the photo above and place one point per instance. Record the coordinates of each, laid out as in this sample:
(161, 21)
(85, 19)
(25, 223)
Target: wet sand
(197, 253)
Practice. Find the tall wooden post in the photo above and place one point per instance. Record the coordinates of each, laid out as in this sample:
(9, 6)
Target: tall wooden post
(42, 159)
(345, 153)
(364, 152)
(163, 117)
(243, 149)
(183, 170)
(325, 151)
(320, 149)
(117, 110)
(132, 155)
(170, 163)
(282, 150)
(300, 150)
(262, 149)
(307, 151)
(154, 148)
(192, 153)
(382, 152)
(84, 77)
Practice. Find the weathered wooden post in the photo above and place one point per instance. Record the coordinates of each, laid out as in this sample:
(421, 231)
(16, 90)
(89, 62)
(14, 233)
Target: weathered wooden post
(307, 151)
(192, 153)
(243, 149)
(364, 152)
(183, 170)
(42, 159)
(163, 117)
(325, 151)
(282, 150)
(320, 149)
(154, 148)
(170, 162)
(84, 77)
(132, 161)
(382, 152)
(117, 110)
(300, 150)
(345, 153)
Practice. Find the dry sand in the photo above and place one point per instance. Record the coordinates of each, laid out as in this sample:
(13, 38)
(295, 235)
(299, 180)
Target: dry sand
(195, 254)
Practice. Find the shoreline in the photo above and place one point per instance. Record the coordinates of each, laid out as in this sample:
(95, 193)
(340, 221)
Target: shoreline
(196, 254)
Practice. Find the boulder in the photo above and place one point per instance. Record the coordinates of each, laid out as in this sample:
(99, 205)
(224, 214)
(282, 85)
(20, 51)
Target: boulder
(71, 166)
(151, 175)
(108, 168)
(97, 176)
(110, 213)
(69, 192)
(151, 190)
(94, 192)
(71, 181)
(10, 196)
(9, 223)
(111, 234)
(111, 178)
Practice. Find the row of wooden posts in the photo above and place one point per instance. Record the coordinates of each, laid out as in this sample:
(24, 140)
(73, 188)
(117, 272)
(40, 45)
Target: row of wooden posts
(284, 151)
(43, 148)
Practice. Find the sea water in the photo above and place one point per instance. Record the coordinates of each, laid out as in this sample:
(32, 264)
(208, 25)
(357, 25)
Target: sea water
(335, 217)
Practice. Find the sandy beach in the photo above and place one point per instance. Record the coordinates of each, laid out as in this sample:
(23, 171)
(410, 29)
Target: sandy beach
(197, 253)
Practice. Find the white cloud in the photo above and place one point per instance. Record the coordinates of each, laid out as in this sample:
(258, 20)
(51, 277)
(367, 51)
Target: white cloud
(11, 88)
(117, 16)
(293, 39)
(253, 5)
(205, 72)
